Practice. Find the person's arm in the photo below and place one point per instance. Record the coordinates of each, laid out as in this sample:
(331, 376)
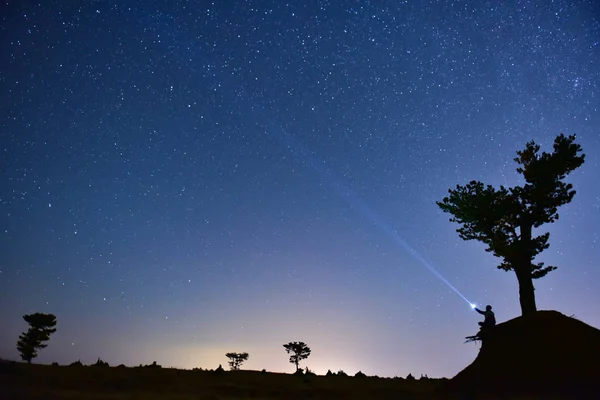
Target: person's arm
(479, 311)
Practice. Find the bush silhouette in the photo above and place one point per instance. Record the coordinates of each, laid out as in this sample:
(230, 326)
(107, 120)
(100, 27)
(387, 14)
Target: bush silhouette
(409, 377)
(100, 363)
(220, 369)
(76, 364)
(341, 373)
(153, 365)
(329, 373)
(359, 374)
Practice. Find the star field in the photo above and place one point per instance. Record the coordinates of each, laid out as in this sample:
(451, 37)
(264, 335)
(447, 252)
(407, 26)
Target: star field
(183, 179)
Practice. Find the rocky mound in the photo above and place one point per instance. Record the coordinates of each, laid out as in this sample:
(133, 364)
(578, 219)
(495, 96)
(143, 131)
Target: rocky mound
(544, 353)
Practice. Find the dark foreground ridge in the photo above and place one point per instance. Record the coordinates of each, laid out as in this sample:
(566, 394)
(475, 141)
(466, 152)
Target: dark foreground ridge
(543, 353)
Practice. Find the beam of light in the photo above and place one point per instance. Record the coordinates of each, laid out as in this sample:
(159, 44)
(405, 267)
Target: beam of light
(360, 205)
(257, 114)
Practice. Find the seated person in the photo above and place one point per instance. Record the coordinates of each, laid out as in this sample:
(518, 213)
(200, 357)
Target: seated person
(489, 320)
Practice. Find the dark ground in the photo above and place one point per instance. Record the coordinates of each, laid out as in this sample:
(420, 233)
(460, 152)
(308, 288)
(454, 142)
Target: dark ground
(21, 381)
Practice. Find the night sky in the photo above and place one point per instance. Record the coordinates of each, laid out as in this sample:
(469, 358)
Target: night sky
(181, 179)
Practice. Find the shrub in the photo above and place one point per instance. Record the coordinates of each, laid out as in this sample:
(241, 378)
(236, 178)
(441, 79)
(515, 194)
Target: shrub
(100, 363)
(76, 364)
(55, 364)
(341, 373)
(220, 369)
(409, 377)
(360, 374)
(329, 373)
(153, 365)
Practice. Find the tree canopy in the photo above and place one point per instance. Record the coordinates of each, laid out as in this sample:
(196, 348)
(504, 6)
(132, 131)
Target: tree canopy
(504, 218)
(41, 326)
(298, 350)
(236, 360)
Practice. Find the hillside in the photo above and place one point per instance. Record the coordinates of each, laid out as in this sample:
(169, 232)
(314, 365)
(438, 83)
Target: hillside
(545, 353)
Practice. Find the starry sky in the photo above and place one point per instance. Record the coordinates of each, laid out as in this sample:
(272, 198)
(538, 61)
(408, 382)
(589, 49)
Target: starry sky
(181, 179)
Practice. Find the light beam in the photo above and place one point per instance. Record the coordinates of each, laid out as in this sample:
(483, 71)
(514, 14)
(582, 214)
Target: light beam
(357, 203)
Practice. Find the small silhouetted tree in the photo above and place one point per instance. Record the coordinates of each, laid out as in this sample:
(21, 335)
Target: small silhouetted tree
(236, 360)
(504, 219)
(41, 326)
(298, 350)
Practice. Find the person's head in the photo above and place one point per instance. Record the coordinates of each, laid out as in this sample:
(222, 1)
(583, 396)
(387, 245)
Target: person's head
(488, 308)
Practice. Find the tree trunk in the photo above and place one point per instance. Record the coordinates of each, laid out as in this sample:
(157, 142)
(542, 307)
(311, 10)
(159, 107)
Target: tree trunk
(523, 271)
(526, 293)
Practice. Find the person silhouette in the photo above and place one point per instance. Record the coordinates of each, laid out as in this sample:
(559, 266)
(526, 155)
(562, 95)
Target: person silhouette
(489, 320)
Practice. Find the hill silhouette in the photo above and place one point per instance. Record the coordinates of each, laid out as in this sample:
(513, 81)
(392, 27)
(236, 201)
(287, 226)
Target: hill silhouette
(543, 353)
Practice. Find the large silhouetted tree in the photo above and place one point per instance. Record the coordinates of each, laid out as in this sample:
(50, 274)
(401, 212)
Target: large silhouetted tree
(300, 352)
(236, 360)
(504, 218)
(41, 326)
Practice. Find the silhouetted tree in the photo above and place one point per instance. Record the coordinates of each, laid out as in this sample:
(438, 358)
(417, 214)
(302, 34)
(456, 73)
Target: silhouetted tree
(236, 360)
(300, 352)
(504, 218)
(41, 326)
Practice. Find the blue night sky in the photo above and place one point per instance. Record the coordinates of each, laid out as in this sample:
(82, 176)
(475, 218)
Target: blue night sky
(180, 179)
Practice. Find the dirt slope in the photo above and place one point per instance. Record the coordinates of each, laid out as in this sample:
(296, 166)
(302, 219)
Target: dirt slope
(545, 353)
